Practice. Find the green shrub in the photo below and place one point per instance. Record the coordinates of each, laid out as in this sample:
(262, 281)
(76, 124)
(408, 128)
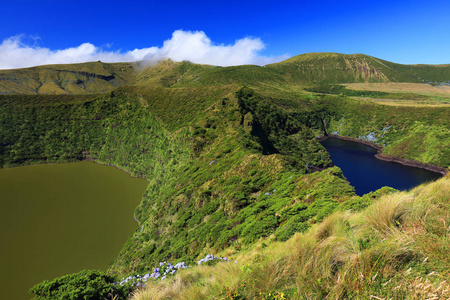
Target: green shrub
(86, 284)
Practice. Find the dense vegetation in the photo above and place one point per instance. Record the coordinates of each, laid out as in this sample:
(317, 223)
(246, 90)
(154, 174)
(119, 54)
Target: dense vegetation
(229, 166)
(411, 132)
(88, 285)
(396, 248)
(239, 187)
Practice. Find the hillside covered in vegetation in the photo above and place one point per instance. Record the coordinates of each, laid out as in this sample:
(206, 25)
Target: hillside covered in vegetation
(311, 70)
(235, 168)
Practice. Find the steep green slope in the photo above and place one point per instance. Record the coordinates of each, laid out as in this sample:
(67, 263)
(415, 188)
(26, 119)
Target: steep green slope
(433, 74)
(234, 160)
(321, 68)
(409, 132)
(331, 68)
(316, 71)
(397, 248)
(110, 129)
(85, 78)
(306, 70)
(169, 73)
(239, 186)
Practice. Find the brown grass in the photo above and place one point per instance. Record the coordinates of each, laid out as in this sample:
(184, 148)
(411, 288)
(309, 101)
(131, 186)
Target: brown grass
(442, 93)
(400, 87)
(410, 103)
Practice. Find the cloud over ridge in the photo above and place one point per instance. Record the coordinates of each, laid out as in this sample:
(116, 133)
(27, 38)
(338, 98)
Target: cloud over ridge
(194, 46)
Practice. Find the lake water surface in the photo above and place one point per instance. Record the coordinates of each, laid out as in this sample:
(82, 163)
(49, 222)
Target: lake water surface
(58, 219)
(367, 173)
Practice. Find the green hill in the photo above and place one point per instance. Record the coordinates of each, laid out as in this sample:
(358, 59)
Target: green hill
(340, 68)
(301, 71)
(93, 77)
(235, 167)
(396, 248)
(325, 68)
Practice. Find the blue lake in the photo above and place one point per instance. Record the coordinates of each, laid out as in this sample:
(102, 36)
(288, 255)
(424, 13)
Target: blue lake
(367, 173)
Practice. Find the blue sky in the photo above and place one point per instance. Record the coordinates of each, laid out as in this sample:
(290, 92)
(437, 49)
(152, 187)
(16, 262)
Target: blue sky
(222, 33)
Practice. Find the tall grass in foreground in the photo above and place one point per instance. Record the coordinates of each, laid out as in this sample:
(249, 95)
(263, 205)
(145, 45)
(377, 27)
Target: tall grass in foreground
(398, 248)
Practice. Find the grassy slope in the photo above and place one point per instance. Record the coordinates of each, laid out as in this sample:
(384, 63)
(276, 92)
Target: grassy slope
(209, 168)
(394, 249)
(410, 132)
(304, 70)
(84, 78)
(232, 192)
(340, 68)
(225, 169)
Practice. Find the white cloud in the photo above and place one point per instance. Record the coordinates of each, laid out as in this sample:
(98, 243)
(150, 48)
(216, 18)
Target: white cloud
(184, 45)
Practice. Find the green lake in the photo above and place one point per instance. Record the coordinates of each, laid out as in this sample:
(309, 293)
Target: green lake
(57, 219)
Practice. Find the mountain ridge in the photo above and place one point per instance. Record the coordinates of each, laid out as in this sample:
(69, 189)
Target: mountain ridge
(307, 69)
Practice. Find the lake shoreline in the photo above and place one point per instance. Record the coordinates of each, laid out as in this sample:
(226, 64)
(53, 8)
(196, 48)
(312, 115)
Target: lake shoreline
(85, 158)
(380, 156)
(88, 159)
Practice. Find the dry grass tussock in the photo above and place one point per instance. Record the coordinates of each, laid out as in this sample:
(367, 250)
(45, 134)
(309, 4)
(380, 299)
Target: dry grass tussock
(424, 288)
(387, 215)
(195, 283)
(396, 249)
